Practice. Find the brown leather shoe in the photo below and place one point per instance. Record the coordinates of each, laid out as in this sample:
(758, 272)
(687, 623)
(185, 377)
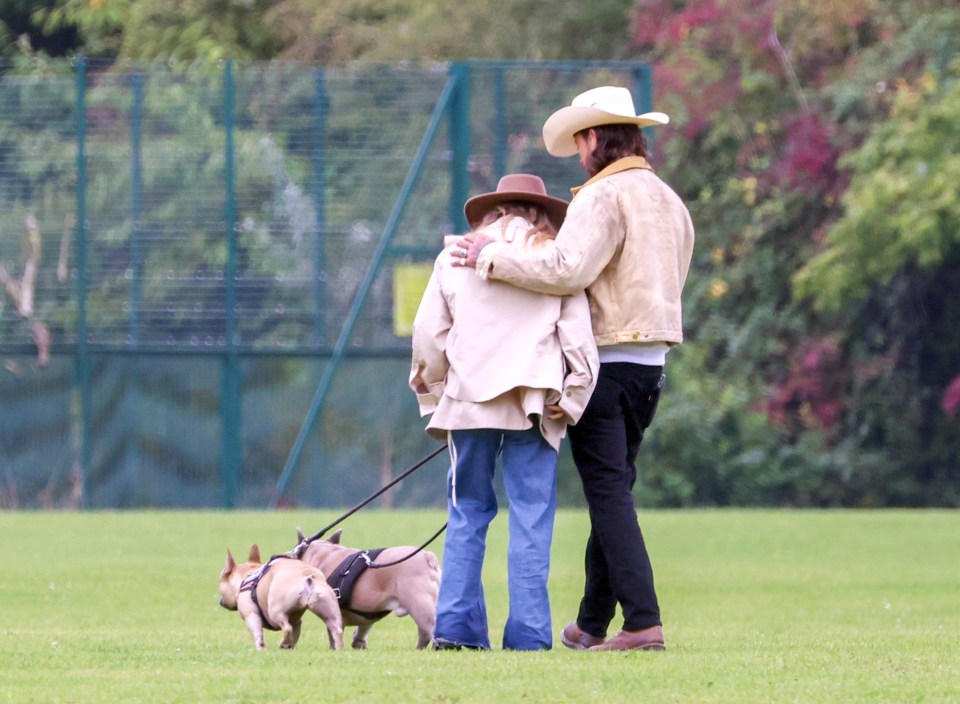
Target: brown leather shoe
(574, 637)
(647, 639)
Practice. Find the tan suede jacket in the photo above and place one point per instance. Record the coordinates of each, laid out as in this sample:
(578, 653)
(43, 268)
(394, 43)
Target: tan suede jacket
(627, 240)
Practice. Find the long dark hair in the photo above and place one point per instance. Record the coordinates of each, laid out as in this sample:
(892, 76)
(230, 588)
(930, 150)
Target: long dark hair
(614, 142)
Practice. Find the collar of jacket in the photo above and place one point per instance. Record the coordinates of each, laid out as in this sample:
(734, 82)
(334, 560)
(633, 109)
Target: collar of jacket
(627, 162)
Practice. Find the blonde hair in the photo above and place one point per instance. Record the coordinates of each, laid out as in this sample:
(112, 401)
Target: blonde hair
(542, 229)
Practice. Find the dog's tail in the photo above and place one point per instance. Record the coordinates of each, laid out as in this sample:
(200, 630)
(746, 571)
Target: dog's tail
(313, 591)
(434, 566)
(307, 591)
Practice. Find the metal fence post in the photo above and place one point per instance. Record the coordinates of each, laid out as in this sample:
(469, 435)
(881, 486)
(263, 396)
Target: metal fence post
(136, 195)
(83, 352)
(499, 123)
(643, 89)
(459, 144)
(321, 105)
(230, 395)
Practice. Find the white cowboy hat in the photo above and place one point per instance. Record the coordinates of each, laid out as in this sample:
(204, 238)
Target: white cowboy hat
(606, 105)
(522, 188)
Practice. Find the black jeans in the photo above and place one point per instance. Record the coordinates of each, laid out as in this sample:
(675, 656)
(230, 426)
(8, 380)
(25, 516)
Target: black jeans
(604, 444)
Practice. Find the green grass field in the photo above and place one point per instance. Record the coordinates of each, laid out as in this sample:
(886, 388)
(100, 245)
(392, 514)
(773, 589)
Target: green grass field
(758, 606)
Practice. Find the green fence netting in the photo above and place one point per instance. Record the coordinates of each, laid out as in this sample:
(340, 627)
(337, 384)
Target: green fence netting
(184, 255)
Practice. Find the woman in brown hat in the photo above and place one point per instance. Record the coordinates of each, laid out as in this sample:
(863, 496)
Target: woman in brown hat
(502, 371)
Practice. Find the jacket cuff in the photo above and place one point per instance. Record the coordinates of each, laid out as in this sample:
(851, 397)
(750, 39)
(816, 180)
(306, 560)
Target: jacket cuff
(574, 402)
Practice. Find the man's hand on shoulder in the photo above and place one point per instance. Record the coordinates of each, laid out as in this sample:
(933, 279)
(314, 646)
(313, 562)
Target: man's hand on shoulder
(468, 249)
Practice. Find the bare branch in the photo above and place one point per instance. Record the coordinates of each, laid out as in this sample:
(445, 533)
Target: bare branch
(774, 41)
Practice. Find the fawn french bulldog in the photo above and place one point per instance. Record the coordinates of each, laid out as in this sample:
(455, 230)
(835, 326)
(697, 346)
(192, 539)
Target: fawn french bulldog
(407, 583)
(276, 594)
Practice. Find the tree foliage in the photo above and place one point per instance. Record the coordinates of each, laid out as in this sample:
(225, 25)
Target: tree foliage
(902, 209)
(204, 31)
(175, 31)
(441, 30)
(815, 143)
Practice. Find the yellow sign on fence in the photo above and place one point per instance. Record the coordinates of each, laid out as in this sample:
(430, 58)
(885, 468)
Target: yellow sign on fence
(409, 283)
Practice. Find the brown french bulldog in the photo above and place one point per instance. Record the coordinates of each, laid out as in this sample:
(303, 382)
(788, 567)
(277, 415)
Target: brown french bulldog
(408, 587)
(277, 596)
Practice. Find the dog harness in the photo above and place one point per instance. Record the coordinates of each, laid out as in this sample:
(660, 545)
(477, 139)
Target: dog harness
(249, 584)
(345, 576)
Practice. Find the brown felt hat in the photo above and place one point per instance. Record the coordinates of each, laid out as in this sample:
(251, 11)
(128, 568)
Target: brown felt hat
(523, 188)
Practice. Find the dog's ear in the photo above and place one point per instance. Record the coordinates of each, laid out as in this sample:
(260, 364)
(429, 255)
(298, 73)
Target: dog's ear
(229, 567)
(299, 535)
(254, 553)
(335, 538)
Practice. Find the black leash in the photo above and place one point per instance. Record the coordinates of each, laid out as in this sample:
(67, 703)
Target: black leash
(305, 543)
(375, 565)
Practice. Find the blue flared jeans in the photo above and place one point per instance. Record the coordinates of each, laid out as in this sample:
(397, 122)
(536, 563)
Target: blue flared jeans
(530, 480)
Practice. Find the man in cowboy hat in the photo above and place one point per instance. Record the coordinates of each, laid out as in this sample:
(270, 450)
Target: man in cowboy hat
(502, 371)
(627, 240)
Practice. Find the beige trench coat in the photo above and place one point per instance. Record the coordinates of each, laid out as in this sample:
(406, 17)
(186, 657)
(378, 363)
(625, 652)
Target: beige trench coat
(490, 355)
